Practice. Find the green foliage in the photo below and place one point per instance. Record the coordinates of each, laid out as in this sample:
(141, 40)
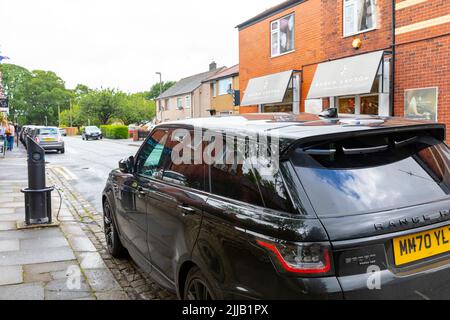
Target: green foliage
(34, 96)
(156, 89)
(37, 95)
(115, 131)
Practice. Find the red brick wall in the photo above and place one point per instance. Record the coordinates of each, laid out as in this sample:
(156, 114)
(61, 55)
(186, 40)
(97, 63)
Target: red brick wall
(423, 56)
(422, 59)
(336, 45)
(254, 45)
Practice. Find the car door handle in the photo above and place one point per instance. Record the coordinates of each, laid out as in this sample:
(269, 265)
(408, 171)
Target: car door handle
(186, 210)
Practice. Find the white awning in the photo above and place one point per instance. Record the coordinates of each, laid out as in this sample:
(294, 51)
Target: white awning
(267, 90)
(344, 77)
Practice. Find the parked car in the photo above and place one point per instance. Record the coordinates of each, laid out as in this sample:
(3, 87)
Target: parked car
(63, 132)
(92, 132)
(49, 138)
(24, 132)
(358, 209)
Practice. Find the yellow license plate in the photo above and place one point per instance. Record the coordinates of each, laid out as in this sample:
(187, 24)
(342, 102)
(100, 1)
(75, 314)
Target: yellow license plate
(49, 139)
(420, 246)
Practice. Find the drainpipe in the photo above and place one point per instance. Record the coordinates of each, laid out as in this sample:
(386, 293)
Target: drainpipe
(392, 96)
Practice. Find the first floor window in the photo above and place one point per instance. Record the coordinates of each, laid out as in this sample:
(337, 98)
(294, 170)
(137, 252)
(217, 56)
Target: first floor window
(225, 86)
(282, 35)
(359, 16)
(179, 103)
(188, 102)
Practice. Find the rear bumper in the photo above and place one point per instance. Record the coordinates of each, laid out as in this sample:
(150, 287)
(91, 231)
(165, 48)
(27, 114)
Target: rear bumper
(52, 146)
(430, 284)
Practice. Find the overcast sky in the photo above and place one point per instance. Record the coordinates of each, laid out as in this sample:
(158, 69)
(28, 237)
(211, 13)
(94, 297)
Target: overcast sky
(122, 43)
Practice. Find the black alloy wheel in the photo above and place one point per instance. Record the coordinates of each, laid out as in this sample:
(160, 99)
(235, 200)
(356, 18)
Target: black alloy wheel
(197, 287)
(115, 247)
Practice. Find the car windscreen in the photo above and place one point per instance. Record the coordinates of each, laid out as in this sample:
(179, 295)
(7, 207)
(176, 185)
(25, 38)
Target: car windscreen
(48, 132)
(92, 129)
(373, 174)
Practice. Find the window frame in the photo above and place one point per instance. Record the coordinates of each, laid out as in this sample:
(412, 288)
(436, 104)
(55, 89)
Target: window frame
(230, 79)
(136, 157)
(278, 32)
(179, 103)
(345, 4)
(186, 100)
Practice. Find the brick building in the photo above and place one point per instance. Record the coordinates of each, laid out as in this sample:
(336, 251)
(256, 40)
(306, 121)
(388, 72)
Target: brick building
(308, 55)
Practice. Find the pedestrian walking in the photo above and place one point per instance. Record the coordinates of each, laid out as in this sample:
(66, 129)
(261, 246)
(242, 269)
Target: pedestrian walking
(10, 134)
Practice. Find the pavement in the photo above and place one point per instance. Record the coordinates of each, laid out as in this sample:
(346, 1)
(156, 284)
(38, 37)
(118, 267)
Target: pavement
(69, 261)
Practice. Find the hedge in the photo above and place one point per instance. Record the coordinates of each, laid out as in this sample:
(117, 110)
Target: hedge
(115, 132)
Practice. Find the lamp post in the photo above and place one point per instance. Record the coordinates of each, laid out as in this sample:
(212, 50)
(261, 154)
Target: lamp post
(160, 93)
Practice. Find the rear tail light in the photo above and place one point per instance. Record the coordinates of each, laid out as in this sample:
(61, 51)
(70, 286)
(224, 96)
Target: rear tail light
(37, 139)
(307, 259)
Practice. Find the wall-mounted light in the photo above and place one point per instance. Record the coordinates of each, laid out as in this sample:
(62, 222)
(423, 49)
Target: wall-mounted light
(357, 44)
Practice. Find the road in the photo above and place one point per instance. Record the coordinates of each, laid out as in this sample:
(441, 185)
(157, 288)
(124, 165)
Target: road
(86, 164)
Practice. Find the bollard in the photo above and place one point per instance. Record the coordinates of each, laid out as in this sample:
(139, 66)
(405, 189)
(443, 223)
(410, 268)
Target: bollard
(38, 202)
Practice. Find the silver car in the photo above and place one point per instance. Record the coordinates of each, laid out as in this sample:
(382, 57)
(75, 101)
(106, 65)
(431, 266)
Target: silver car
(49, 138)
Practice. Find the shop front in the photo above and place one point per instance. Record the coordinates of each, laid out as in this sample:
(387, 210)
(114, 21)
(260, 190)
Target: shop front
(358, 85)
(277, 92)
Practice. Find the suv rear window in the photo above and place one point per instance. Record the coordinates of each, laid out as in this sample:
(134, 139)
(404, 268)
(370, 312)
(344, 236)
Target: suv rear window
(373, 174)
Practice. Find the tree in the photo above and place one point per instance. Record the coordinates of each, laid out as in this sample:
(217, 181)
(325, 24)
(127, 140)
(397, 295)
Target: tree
(102, 105)
(15, 79)
(136, 108)
(155, 89)
(34, 96)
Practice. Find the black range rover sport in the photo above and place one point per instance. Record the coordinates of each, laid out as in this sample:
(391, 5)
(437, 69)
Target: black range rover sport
(345, 208)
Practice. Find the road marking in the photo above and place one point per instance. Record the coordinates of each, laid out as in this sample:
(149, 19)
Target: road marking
(66, 173)
(71, 150)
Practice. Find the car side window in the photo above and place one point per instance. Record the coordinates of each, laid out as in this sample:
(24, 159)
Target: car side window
(235, 181)
(153, 157)
(185, 173)
(273, 190)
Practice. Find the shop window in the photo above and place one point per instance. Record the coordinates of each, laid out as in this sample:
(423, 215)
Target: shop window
(225, 86)
(347, 105)
(359, 16)
(282, 35)
(370, 105)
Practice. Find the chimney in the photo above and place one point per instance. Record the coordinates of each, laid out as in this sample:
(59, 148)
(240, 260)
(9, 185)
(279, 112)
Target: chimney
(212, 66)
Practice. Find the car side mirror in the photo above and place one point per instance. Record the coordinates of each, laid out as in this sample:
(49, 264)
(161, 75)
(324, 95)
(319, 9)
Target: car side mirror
(126, 165)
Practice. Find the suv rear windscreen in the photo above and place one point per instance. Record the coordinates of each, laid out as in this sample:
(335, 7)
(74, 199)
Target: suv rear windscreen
(371, 174)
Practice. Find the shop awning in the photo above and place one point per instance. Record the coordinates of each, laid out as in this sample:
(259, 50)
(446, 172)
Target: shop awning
(267, 90)
(344, 77)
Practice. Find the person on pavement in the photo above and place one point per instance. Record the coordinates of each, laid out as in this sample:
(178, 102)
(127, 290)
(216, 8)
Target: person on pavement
(10, 134)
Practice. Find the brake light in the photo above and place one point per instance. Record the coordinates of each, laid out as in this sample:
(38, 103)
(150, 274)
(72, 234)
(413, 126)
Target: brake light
(301, 259)
(37, 139)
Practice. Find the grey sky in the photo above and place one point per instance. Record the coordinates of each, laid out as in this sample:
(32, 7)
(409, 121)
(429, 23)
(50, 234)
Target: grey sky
(121, 44)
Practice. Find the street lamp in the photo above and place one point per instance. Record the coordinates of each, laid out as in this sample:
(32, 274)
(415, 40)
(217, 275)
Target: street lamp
(160, 93)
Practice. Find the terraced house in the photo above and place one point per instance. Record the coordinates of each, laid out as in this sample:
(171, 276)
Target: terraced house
(188, 98)
(374, 57)
(225, 94)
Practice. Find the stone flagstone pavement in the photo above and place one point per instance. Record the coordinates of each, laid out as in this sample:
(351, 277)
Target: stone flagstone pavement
(49, 263)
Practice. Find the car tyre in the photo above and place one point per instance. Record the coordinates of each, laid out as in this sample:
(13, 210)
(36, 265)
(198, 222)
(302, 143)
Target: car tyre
(197, 287)
(115, 246)
(63, 150)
